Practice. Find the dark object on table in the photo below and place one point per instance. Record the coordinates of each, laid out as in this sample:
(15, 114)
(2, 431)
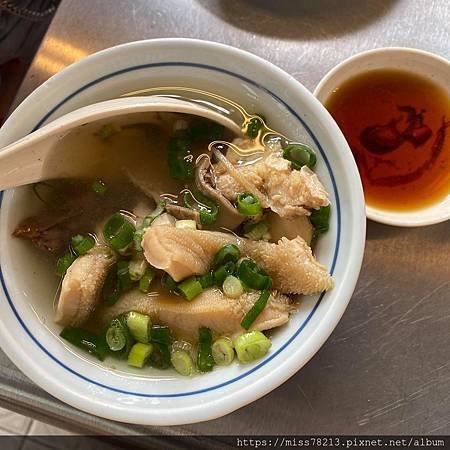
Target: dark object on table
(22, 26)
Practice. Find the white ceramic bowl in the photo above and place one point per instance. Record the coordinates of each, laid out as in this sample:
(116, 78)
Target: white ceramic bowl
(419, 62)
(27, 333)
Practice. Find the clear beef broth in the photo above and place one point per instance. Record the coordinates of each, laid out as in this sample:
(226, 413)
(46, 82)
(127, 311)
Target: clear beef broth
(129, 170)
(131, 163)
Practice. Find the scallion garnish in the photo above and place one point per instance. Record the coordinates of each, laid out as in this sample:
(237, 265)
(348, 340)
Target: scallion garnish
(111, 288)
(139, 354)
(207, 209)
(118, 232)
(82, 244)
(223, 351)
(137, 267)
(120, 322)
(182, 362)
(255, 310)
(123, 275)
(160, 337)
(255, 231)
(221, 273)
(160, 357)
(86, 340)
(190, 288)
(205, 360)
(253, 276)
(160, 208)
(320, 218)
(300, 155)
(232, 287)
(169, 283)
(139, 326)
(99, 187)
(64, 263)
(228, 253)
(180, 160)
(248, 204)
(160, 334)
(255, 124)
(146, 280)
(251, 345)
(115, 337)
(206, 280)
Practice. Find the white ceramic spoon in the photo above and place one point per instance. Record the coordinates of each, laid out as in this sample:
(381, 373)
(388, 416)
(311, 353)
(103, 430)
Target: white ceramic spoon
(23, 162)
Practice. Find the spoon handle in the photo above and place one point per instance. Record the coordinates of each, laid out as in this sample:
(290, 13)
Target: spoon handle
(22, 162)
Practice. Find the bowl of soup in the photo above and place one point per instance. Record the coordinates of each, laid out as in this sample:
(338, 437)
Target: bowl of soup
(179, 270)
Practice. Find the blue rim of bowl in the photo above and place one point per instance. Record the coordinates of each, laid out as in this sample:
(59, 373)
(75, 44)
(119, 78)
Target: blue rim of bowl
(319, 300)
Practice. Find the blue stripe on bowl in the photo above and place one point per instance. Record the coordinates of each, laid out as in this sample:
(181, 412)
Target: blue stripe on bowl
(314, 309)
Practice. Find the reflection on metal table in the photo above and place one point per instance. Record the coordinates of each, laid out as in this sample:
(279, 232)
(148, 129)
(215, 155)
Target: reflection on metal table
(386, 367)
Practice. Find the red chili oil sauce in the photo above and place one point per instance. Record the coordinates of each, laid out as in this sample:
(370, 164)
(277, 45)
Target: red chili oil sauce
(397, 125)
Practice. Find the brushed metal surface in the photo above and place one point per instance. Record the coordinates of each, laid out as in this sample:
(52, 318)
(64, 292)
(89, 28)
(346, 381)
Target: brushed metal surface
(386, 367)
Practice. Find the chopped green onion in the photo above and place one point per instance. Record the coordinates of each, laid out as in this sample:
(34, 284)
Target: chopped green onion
(190, 288)
(64, 263)
(251, 345)
(205, 360)
(182, 345)
(253, 276)
(300, 155)
(160, 357)
(223, 351)
(160, 208)
(182, 362)
(115, 338)
(137, 268)
(137, 239)
(146, 280)
(227, 253)
(118, 232)
(248, 204)
(111, 288)
(99, 187)
(223, 271)
(185, 223)
(123, 275)
(207, 209)
(118, 331)
(86, 340)
(255, 310)
(320, 218)
(253, 127)
(82, 244)
(160, 334)
(146, 222)
(206, 280)
(255, 230)
(169, 283)
(107, 130)
(160, 337)
(232, 287)
(180, 159)
(139, 326)
(139, 354)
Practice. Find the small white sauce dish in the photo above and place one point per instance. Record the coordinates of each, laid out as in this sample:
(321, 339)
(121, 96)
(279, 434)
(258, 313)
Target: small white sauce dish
(27, 332)
(418, 62)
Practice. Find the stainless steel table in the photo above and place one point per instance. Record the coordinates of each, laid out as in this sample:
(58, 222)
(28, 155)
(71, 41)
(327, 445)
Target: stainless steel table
(386, 368)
